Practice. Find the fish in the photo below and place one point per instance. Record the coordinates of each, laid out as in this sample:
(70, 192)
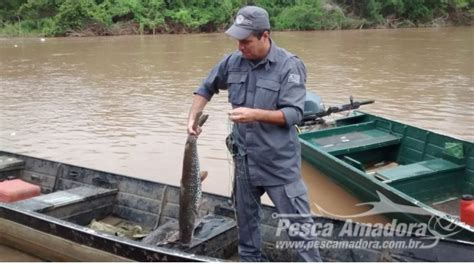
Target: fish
(190, 190)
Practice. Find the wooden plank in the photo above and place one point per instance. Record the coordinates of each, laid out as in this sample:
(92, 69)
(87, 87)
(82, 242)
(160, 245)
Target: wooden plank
(9, 254)
(49, 247)
(364, 140)
(419, 169)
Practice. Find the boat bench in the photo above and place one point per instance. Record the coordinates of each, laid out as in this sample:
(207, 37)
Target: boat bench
(356, 141)
(420, 169)
(79, 205)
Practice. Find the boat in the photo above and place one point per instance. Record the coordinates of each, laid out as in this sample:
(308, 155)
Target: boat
(56, 224)
(404, 172)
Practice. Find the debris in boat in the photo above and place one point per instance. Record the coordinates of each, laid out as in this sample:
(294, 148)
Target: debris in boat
(167, 234)
(190, 194)
(372, 170)
(164, 234)
(122, 229)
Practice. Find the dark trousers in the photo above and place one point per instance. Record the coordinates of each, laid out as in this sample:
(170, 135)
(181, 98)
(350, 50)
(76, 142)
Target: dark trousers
(290, 200)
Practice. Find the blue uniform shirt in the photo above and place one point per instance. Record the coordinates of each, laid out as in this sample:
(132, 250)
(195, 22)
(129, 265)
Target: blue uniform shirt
(275, 83)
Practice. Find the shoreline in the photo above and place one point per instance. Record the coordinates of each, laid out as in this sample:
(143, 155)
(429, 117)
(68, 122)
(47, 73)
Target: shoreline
(379, 27)
(22, 18)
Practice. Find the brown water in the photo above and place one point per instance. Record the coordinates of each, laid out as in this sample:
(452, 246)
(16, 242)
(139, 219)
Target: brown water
(329, 199)
(120, 103)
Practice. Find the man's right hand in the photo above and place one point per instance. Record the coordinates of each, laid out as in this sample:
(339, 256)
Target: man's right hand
(198, 105)
(193, 131)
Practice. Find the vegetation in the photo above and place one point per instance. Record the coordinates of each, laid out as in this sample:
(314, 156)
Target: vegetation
(115, 17)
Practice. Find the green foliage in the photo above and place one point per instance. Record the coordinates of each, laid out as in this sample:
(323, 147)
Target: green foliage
(299, 18)
(462, 3)
(152, 16)
(309, 16)
(38, 9)
(10, 29)
(393, 7)
(371, 9)
(201, 15)
(9, 9)
(102, 17)
(75, 15)
(417, 11)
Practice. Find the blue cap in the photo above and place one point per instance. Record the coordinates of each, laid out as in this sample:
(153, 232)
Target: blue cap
(248, 20)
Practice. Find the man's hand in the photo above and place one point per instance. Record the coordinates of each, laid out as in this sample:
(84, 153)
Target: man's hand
(198, 105)
(193, 131)
(246, 115)
(243, 115)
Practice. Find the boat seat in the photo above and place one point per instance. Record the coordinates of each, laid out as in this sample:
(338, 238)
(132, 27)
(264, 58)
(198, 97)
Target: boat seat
(424, 168)
(356, 141)
(75, 202)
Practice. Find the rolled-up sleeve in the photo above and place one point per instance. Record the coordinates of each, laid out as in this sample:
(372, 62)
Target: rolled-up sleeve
(293, 92)
(215, 81)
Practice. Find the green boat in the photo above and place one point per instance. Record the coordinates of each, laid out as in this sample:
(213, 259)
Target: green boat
(406, 173)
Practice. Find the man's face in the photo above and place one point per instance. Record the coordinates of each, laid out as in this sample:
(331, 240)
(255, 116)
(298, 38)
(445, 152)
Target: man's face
(254, 49)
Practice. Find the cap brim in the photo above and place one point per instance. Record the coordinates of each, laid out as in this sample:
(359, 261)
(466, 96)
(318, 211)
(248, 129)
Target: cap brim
(238, 32)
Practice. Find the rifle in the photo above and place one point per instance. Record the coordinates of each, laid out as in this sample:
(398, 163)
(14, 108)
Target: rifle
(313, 118)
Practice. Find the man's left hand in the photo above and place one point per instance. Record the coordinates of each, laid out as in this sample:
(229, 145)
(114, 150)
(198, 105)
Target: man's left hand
(247, 115)
(243, 115)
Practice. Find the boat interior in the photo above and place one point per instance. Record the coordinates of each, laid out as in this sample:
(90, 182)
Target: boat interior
(136, 210)
(80, 214)
(431, 168)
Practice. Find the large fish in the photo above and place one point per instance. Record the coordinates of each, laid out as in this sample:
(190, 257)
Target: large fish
(190, 195)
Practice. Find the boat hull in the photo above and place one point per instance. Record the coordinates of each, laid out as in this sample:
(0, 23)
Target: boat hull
(423, 177)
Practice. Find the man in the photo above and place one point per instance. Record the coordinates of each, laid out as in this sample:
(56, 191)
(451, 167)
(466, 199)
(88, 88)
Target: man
(266, 86)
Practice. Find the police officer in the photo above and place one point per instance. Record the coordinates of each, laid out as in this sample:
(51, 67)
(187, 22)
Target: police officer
(266, 87)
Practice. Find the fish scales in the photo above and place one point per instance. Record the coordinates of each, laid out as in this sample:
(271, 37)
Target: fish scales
(190, 191)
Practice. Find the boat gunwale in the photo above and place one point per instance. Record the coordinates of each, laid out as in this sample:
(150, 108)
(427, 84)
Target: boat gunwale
(4, 152)
(433, 131)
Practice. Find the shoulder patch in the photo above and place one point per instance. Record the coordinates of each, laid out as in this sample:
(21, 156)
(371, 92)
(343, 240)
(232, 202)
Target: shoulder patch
(294, 78)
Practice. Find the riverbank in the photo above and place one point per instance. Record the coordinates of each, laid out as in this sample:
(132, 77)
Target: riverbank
(131, 28)
(21, 18)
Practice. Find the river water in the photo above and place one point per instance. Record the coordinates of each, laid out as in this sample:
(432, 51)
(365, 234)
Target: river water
(120, 104)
